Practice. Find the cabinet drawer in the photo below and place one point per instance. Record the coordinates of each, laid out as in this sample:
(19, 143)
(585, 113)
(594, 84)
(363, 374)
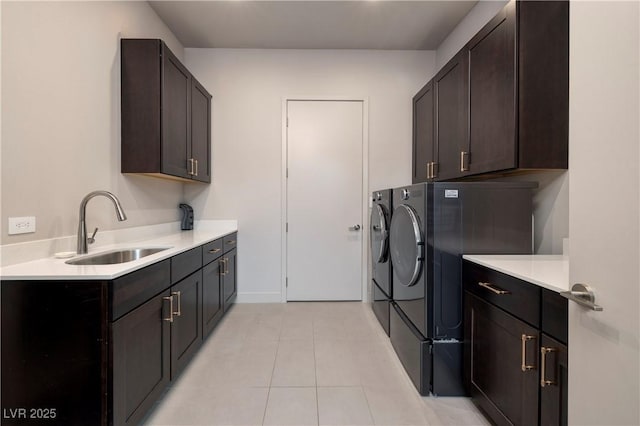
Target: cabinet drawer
(230, 242)
(554, 315)
(521, 299)
(211, 251)
(132, 290)
(185, 263)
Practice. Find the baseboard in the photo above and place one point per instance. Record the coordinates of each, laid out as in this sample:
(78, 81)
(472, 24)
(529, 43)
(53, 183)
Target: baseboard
(256, 297)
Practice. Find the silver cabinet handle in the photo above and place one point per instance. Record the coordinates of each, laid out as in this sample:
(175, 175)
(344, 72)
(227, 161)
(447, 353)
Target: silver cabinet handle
(214, 251)
(583, 295)
(226, 265)
(543, 366)
(434, 170)
(493, 289)
(525, 338)
(354, 228)
(179, 311)
(231, 242)
(221, 266)
(196, 172)
(170, 299)
(464, 165)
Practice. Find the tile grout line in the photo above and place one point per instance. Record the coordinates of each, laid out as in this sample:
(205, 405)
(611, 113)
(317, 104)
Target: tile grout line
(273, 369)
(315, 366)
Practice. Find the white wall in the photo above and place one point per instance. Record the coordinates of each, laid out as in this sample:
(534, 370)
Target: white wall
(248, 88)
(61, 116)
(551, 199)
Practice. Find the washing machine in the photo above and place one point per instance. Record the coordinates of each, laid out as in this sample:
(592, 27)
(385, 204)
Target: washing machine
(380, 260)
(433, 225)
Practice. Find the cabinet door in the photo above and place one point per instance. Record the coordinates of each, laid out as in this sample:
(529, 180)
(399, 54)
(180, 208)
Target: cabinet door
(176, 105)
(141, 351)
(423, 147)
(229, 279)
(451, 105)
(501, 363)
(554, 372)
(211, 296)
(186, 328)
(492, 90)
(200, 131)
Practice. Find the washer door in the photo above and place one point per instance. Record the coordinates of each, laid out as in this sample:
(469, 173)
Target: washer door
(379, 234)
(406, 245)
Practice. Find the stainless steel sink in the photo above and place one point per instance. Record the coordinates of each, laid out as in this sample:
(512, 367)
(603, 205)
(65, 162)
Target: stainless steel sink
(115, 256)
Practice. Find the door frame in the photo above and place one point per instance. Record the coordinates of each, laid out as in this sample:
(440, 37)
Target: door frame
(364, 184)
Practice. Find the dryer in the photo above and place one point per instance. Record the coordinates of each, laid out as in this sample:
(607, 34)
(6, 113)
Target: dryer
(381, 269)
(433, 224)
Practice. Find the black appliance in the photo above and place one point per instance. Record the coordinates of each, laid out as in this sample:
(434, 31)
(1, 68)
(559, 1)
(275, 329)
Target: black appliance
(433, 224)
(187, 217)
(381, 270)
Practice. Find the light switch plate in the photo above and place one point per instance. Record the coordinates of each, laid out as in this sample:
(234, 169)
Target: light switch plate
(22, 225)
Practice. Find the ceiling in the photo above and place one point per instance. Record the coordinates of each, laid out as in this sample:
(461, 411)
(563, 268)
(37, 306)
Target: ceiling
(308, 24)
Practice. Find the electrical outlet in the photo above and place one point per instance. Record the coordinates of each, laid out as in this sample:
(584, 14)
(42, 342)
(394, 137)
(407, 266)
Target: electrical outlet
(22, 225)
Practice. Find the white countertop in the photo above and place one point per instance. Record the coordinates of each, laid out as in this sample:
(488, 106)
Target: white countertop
(51, 268)
(548, 271)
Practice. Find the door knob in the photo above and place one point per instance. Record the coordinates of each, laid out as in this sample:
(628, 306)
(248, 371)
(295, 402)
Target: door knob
(354, 228)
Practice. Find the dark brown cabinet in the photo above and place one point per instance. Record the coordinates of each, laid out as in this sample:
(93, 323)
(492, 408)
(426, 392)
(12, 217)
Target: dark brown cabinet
(141, 359)
(554, 379)
(502, 103)
(503, 373)
(212, 309)
(103, 352)
(186, 321)
(229, 282)
(515, 353)
(519, 89)
(451, 135)
(424, 150)
(166, 114)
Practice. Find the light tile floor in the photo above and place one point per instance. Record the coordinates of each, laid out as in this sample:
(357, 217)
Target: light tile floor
(321, 363)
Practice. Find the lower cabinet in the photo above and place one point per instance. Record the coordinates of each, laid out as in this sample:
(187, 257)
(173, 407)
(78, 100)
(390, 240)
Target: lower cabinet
(141, 359)
(211, 296)
(503, 373)
(186, 321)
(229, 285)
(103, 352)
(554, 378)
(515, 354)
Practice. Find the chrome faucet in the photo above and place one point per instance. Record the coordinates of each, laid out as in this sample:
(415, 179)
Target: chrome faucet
(82, 225)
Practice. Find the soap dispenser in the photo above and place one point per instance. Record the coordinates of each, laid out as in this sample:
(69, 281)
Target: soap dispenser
(187, 217)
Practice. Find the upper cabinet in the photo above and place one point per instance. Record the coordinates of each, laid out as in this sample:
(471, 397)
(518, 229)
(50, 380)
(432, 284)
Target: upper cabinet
(166, 114)
(451, 133)
(502, 103)
(424, 151)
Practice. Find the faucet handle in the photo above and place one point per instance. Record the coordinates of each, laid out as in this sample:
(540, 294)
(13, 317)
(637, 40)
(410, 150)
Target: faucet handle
(92, 238)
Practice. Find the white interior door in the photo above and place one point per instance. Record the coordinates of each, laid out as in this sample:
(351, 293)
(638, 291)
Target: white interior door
(604, 383)
(324, 200)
